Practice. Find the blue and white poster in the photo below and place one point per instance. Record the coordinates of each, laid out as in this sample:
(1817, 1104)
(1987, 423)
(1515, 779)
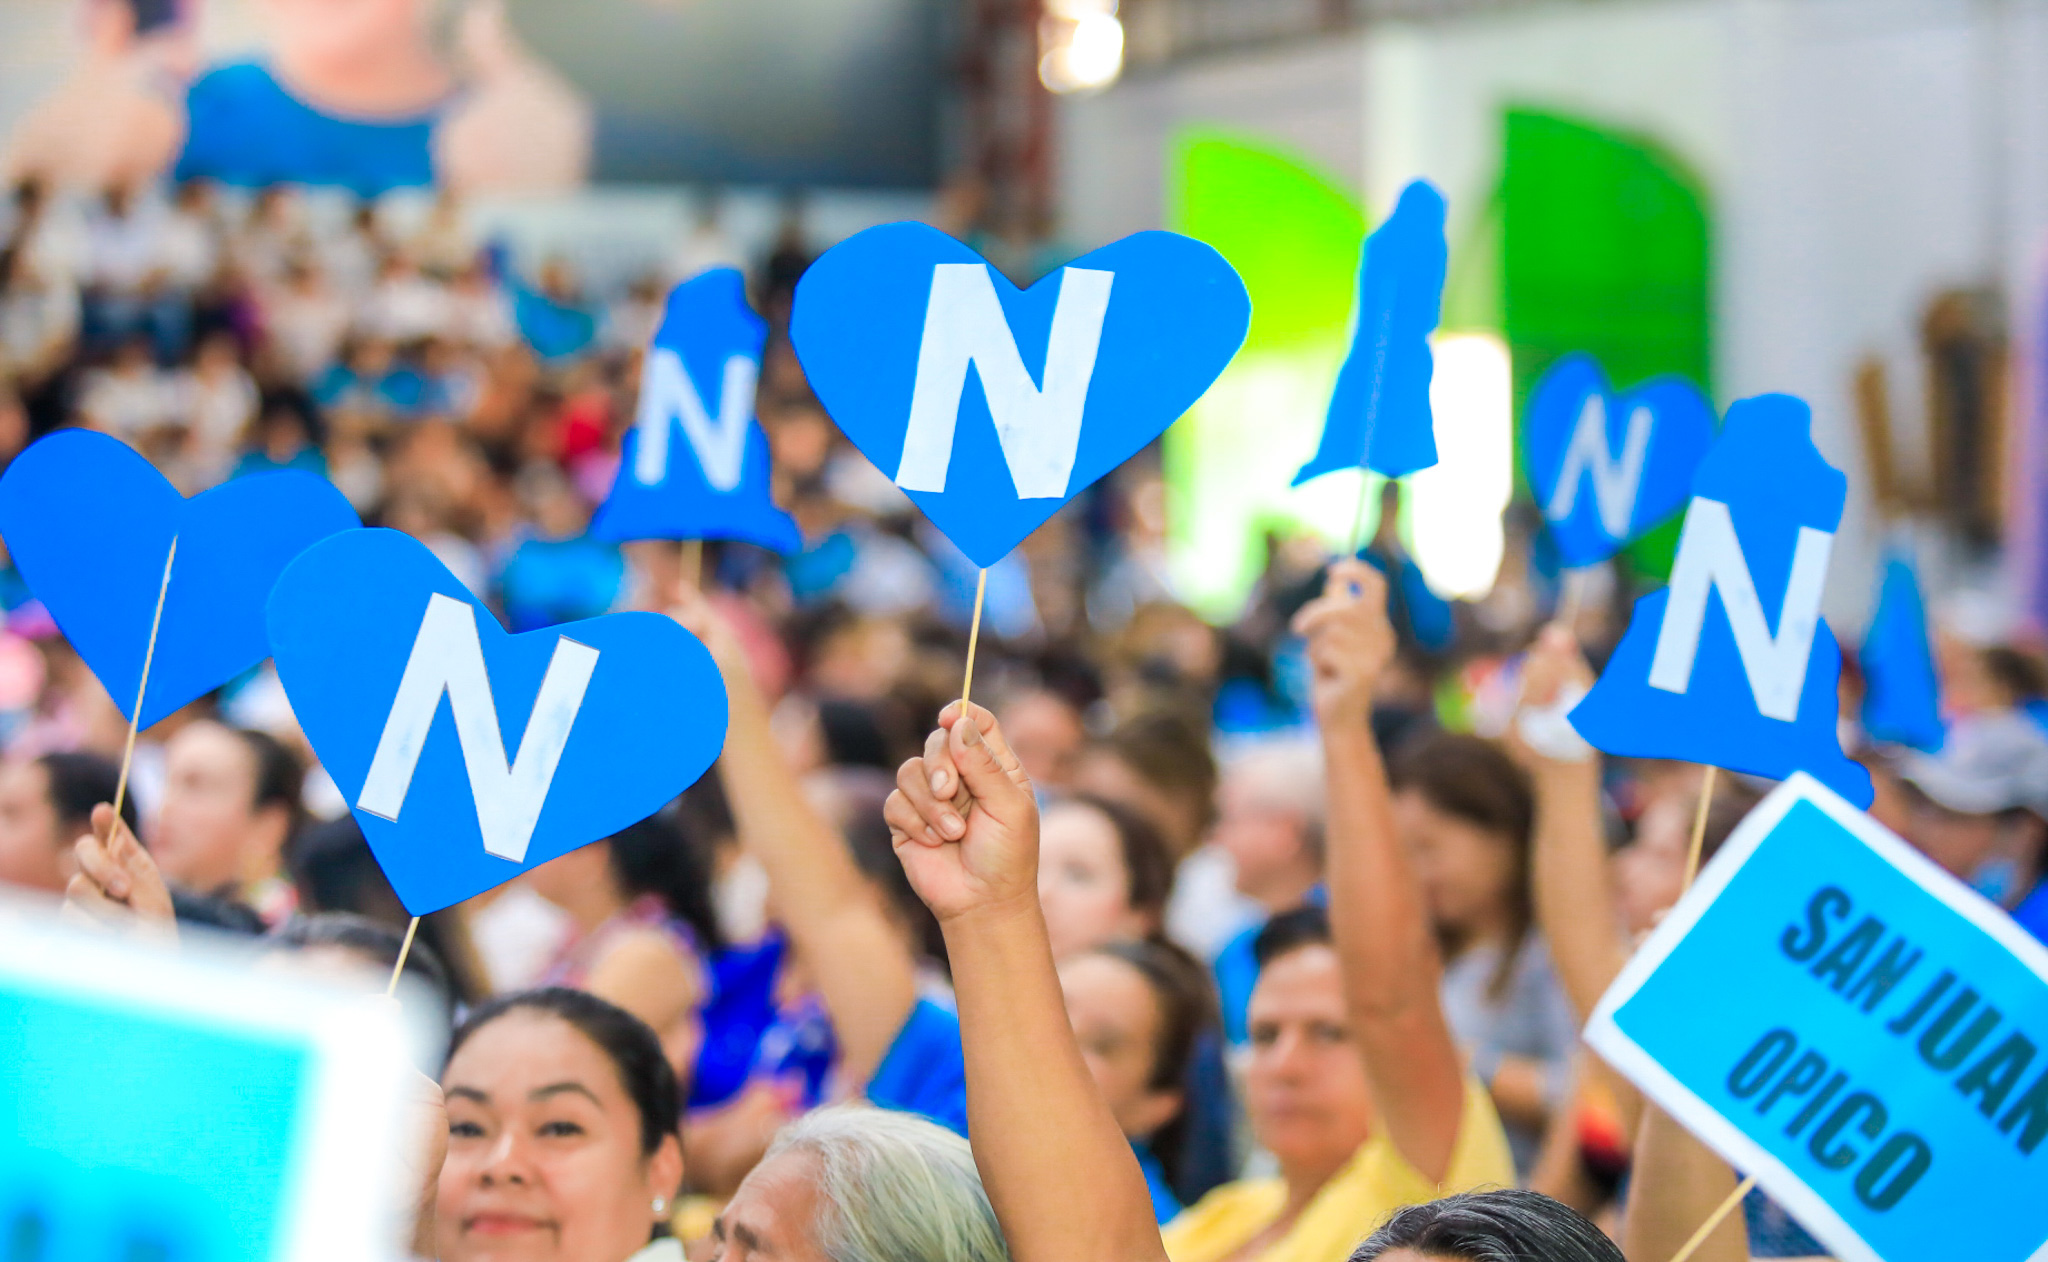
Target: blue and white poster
(1837, 1016)
(469, 754)
(1607, 466)
(695, 463)
(992, 406)
(1379, 416)
(1732, 665)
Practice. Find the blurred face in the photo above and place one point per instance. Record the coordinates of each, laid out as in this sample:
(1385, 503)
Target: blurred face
(1467, 871)
(343, 30)
(566, 881)
(1082, 882)
(1305, 1088)
(1102, 774)
(544, 1158)
(34, 853)
(771, 1217)
(1046, 735)
(1116, 1018)
(1267, 841)
(1649, 872)
(208, 833)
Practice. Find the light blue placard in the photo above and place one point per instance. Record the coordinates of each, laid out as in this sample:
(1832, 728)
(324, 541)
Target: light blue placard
(1863, 1033)
(992, 406)
(695, 463)
(1731, 664)
(469, 754)
(1608, 465)
(1379, 415)
(89, 523)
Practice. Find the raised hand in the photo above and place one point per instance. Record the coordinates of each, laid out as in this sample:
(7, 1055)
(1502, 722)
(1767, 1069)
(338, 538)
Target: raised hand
(117, 882)
(1350, 640)
(964, 820)
(1554, 676)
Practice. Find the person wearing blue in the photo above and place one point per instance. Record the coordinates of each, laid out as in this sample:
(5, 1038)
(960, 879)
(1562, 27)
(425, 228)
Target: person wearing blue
(897, 1048)
(1979, 808)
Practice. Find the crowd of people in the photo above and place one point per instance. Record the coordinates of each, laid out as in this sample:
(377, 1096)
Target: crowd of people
(1261, 943)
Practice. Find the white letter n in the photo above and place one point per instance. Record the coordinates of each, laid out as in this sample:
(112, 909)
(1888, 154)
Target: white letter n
(1615, 479)
(448, 657)
(1710, 558)
(668, 398)
(1039, 430)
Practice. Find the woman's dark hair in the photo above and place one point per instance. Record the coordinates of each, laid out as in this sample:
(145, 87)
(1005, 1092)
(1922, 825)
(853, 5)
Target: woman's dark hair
(378, 941)
(1148, 864)
(333, 872)
(280, 776)
(78, 782)
(658, 856)
(1508, 1225)
(1170, 754)
(1187, 1010)
(625, 1040)
(1472, 779)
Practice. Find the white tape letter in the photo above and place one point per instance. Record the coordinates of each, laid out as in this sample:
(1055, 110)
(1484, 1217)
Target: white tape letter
(1614, 479)
(669, 397)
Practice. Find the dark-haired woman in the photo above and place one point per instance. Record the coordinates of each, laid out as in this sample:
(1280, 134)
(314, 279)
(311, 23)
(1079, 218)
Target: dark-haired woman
(45, 805)
(1104, 875)
(231, 799)
(562, 1142)
(1466, 813)
(1138, 1010)
(640, 904)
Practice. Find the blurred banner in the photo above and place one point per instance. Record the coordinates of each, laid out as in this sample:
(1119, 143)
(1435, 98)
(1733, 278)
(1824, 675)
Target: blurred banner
(483, 95)
(172, 1103)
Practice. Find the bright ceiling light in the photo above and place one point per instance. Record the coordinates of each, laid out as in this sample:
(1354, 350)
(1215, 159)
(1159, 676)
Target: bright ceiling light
(1454, 506)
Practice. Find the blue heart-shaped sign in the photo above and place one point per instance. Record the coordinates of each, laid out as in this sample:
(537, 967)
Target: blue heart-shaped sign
(469, 754)
(90, 522)
(695, 463)
(1608, 466)
(992, 406)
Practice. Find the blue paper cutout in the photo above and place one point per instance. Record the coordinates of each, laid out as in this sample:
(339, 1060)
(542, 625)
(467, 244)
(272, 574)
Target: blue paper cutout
(1764, 510)
(701, 480)
(345, 621)
(1626, 475)
(1379, 412)
(89, 523)
(1170, 313)
(1901, 698)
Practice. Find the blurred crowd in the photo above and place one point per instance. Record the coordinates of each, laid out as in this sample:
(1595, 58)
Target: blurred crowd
(1179, 768)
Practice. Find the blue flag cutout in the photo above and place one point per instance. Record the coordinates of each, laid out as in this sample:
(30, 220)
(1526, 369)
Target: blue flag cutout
(1379, 413)
(1607, 465)
(1731, 664)
(90, 524)
(468, 754)
(992, 406)
(695, 463)
(1901, 699)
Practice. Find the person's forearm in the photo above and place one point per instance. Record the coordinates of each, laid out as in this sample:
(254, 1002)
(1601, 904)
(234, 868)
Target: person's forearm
(1573, 895)
(1675, 1184)
(863, 969)
(1392, 973)
(1061, 1175)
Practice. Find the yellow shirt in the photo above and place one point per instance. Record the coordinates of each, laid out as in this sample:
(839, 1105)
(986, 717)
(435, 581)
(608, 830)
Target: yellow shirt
(1376, 1181)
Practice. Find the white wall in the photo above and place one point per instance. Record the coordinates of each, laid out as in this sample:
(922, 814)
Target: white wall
(1862, 156)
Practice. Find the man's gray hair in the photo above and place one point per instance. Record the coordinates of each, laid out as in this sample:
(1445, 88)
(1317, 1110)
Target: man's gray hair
(893, 1188)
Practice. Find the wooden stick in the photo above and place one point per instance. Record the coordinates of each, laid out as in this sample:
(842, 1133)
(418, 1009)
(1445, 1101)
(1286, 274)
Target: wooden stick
(973, 639)
(403, 951)
(156, 622)
(691, 554)
(1358, 518)
(1722, 1211)
(1699, 826)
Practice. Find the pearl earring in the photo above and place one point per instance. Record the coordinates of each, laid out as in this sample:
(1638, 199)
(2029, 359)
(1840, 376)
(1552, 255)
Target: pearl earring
(660, 1205)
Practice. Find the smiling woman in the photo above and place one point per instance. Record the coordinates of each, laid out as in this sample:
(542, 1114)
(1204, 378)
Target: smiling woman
(562, 1143)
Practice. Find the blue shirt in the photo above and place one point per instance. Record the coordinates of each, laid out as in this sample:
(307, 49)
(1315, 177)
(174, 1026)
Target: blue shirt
(1237, 971)
(924, 1071)
(2033, 912)
(243, 128)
